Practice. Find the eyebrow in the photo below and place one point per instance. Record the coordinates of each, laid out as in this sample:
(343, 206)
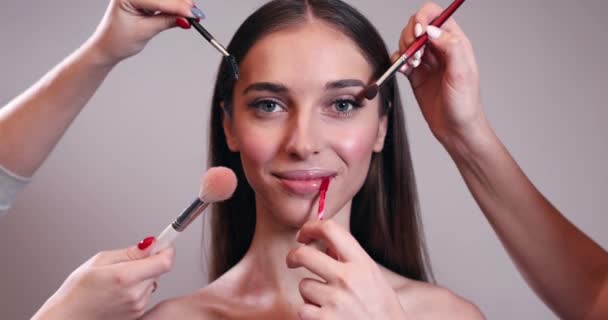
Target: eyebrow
(345, 83)
(281, 88)
(266, 86)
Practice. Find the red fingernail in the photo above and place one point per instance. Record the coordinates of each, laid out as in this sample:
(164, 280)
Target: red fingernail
(182, 23)
(145, 243)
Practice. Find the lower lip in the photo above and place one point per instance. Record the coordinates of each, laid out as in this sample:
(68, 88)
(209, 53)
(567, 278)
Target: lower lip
(301, 187)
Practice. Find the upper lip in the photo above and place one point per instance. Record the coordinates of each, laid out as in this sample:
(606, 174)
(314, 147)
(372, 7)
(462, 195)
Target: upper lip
(308, 174)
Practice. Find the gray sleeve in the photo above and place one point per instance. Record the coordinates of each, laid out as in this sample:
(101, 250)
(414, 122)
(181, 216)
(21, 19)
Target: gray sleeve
(10, 185)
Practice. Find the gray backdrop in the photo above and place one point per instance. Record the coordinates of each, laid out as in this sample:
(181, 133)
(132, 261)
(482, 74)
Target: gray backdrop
(133, 158)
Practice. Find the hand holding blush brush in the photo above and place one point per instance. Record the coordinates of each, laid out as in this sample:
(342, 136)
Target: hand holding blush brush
(217, 184)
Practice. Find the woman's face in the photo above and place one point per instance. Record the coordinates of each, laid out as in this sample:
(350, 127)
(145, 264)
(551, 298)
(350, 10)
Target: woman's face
(296, 119)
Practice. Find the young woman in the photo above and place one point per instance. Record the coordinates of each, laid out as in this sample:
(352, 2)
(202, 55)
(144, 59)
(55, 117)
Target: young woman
(322, 129)
(295, 117)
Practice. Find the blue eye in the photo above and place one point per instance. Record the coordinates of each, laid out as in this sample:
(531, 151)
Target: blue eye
(267, 106)
(345, 105)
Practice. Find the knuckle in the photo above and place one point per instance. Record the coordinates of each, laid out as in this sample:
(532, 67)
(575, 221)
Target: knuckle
(297, 254)
(138, 314)
(327, 315)
(429, 5)
(342, 280)
(335, 299)
(132, 298)
(99, 257)
(329, 226)
(304, 286)
(87, 277)
(167, 264)
(119, 279)
(301, 310)
(455, 42)
(140, 306)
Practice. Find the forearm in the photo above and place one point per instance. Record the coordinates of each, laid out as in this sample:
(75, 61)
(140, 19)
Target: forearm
(54, 308)
(33, 122)
(563, 265)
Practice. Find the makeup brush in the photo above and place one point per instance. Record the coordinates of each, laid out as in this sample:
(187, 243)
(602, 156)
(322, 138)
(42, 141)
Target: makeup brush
(218, 184)
(234, 67)
(372, 90)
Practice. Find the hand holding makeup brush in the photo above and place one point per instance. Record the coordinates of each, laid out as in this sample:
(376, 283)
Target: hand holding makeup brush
(534, 232)
(113, 284)
(446, 84)
(349, 284)
(129, 24)
(32, 123)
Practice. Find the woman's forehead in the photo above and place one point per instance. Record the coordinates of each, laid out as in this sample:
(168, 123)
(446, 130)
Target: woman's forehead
(311, 51)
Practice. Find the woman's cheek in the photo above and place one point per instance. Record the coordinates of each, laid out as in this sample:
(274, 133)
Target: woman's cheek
(256, 147)
(355, 145)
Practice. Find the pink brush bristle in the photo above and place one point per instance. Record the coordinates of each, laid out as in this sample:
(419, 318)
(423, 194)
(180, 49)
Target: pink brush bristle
(218, 184)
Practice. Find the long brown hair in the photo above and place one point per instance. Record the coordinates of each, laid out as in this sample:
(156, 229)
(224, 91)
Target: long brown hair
(384, 215)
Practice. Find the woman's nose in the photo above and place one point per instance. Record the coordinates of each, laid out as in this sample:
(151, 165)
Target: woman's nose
(304, 136)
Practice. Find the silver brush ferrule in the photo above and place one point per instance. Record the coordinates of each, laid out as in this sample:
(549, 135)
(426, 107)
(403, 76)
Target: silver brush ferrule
(400, 62)
(189, 214)
(219, 47)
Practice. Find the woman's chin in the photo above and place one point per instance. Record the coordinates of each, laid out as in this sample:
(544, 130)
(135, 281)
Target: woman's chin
(295, 216)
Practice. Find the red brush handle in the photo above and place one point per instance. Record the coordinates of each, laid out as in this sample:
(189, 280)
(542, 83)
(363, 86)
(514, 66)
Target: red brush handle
(437, 22)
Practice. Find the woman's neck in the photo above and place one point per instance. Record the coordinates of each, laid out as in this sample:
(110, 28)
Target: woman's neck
(264, 263)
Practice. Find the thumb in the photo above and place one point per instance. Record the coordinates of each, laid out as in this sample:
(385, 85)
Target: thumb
(137, 252)
(141, 250)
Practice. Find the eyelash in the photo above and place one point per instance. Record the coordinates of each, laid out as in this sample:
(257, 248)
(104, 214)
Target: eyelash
(257, 104)
(352, 102)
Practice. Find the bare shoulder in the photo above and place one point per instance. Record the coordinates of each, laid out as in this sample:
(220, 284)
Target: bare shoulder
(423, 300)
(428, 301)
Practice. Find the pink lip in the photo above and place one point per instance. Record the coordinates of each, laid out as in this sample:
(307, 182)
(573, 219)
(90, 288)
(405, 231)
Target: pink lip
(303, 182)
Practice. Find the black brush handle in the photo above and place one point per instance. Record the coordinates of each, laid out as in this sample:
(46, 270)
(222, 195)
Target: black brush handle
(200, 29)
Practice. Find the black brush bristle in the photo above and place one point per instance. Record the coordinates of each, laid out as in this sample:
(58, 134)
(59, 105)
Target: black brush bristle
(371, 91)
(234, 67)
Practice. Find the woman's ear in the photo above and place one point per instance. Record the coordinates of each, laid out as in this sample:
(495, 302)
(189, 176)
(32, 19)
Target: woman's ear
(231, 140)
(381, 135)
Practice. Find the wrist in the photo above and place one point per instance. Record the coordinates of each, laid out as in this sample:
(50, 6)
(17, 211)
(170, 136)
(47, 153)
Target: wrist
(474, 139)
(50, 311)
(97, 57)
